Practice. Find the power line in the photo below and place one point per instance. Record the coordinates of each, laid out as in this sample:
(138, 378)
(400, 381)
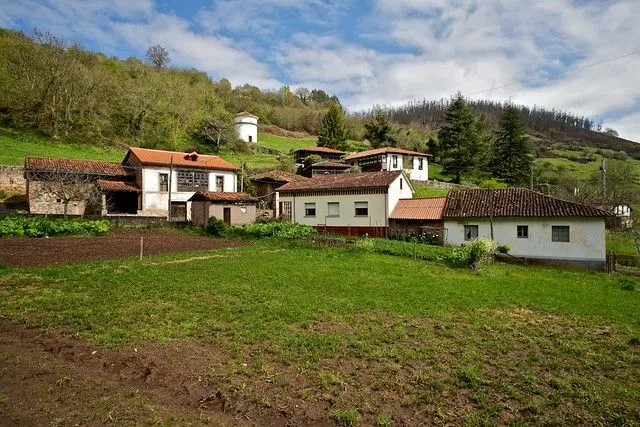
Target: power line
(569, 70)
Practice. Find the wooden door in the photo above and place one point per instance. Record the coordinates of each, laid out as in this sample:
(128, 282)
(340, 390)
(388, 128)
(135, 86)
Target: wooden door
(226, 213)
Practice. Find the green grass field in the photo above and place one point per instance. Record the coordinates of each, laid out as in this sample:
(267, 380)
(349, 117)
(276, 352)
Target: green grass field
(378, 336)
(15, 145)
(283, 144)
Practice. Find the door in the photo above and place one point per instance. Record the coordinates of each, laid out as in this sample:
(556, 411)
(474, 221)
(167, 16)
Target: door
(179, 211)
(226, 214)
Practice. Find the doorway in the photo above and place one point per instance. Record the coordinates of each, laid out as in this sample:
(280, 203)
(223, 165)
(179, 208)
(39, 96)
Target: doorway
(226, 214)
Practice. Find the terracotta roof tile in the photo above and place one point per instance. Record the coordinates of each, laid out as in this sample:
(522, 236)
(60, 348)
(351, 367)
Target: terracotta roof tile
(344, 181)
(147, 156)
(121, 186)
(330, 164)
(314, 149)
(384, 150)
(223, 197)
(277, 175)
(428, 209)
(88, 167)
(513, 202)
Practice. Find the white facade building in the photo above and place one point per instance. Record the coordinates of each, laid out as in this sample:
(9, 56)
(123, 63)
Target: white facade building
(184, 173)
(345, 203)
(535, 226)
(246, 126)
(413, 163)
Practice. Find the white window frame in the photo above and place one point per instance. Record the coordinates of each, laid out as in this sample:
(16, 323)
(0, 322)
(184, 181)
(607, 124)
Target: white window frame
(471, 227)
(557, 232)
(307, 207)
(336, 206)
(285, 211)
(355, 210)
(160, 186)
(525, 234)
(394, 161)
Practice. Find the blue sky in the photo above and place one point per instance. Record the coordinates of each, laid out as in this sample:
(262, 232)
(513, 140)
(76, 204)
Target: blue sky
(380, 52)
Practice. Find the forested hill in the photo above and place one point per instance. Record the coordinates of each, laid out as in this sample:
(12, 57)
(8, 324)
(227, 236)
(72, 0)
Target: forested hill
(549, 127)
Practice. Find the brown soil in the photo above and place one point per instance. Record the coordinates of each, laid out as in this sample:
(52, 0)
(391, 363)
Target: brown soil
(52, 378)
(22, 251)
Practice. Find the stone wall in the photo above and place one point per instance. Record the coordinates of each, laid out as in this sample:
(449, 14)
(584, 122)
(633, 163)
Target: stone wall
(12, 180)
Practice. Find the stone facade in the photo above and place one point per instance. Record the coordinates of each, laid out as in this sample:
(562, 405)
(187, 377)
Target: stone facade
(12, 180)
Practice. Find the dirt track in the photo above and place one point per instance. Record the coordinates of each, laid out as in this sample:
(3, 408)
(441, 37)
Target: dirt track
(22, 251)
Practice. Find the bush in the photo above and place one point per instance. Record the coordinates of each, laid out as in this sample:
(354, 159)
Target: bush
(49, 227)
(627, 284)
(475, 255)
(504, 249)
(215, 227)
(284, 229)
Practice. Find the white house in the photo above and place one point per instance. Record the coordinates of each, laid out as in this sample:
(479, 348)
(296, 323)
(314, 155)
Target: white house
(350, 203)
(158, 171)
(535, 226)
(246, 126)
(415, 164)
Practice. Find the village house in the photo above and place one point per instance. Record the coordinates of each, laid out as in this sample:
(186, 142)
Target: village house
(246, 127)
(266, 183)
(415, 164)
(146, 183)
(353, 204)
(535, 226)
(325, 167)
(420, 217)
(232, 208)
(324, 152)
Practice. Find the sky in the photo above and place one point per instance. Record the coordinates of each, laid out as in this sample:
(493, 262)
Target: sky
(548, 53)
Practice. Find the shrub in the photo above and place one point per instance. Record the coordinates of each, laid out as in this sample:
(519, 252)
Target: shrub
(475, 255)
(627, 284)
(49, 227)
(504, 249)
(345, 418)
(215, 227)
(284, 229)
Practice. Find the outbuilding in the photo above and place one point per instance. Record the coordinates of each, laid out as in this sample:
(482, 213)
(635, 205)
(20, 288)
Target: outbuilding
(246, 126)
(232, 208)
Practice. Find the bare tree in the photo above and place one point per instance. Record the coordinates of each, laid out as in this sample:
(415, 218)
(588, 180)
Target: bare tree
(158, 56)
(69, 187)
(610, 131)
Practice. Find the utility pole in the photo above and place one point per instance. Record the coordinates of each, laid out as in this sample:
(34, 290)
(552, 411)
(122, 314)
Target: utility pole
(603, 171)
(242, 177)
(170, 179)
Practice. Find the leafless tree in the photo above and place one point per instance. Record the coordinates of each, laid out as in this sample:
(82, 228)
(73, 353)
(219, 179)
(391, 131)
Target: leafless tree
(158, 56)
(69, 187)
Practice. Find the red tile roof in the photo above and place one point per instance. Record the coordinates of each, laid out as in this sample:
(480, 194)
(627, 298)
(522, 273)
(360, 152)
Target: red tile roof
(344, 181)
(513, 202)
(121, 186)
(223, 197)
(150, 157)
(385, 150)
(314, 149)
(88, 167)
(330, 164)
(427, 209)
(279, 176)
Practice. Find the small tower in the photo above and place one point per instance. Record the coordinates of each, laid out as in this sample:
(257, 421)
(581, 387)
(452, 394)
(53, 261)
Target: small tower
(246, 126)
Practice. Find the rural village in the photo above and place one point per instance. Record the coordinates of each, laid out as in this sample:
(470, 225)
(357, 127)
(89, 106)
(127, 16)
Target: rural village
(178, 250)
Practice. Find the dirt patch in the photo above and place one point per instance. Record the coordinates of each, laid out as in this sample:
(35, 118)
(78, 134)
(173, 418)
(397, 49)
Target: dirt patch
(22, 251)
(278, 131)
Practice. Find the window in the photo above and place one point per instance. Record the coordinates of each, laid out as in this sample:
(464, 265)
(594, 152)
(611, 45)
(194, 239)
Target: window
(362, 208)
(560, 233)
(395, 161)
(470, 232)
(285, 210)
(309, 209)
(163, 179)
(401, 183)
(220, 183)
(333, 209)
(420, 164)
(523, 232)
(250, 138)
(193, 180)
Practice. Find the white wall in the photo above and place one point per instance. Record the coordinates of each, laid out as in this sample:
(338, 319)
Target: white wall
(586, 237)
(396, 193)
(246, 128)
(156, 202)
(417, 174)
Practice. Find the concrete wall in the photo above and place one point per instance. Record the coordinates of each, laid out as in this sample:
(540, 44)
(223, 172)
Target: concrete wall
(12, 180)
(586, 239)
(156, 202)
(398, 191)
(240, 214)
(246, 128)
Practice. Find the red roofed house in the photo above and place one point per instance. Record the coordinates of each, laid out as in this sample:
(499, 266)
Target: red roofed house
(415, 164)
(139, 185)
(535, 226)
(350, 203)
(418, 217)
(232, 208)
(266, 183)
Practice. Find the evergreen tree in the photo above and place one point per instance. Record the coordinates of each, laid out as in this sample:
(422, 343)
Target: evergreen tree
(332, 132)
(511, 159)
(459, 140)
(379, 132)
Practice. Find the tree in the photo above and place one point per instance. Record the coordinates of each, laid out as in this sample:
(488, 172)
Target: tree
(378, 132)
(68, 187)
(158, 56)
(459, 140)
(511, 159)
(610, 131)
(332, 132)
(303, 93)
(311, 160)
(214, 128)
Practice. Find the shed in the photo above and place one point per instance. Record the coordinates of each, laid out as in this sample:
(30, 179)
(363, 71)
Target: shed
(419, 217)
(232, 208)
(246, 126)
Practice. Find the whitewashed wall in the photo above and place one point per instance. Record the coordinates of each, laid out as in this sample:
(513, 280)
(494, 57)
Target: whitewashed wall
(586, 239)
(419, 175)
(396, 193)
(246, 128)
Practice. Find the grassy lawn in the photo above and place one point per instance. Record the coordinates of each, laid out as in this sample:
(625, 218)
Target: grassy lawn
(15, 145)
(283, 144)
(621, 242)
(377, 336)
(424, 190)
